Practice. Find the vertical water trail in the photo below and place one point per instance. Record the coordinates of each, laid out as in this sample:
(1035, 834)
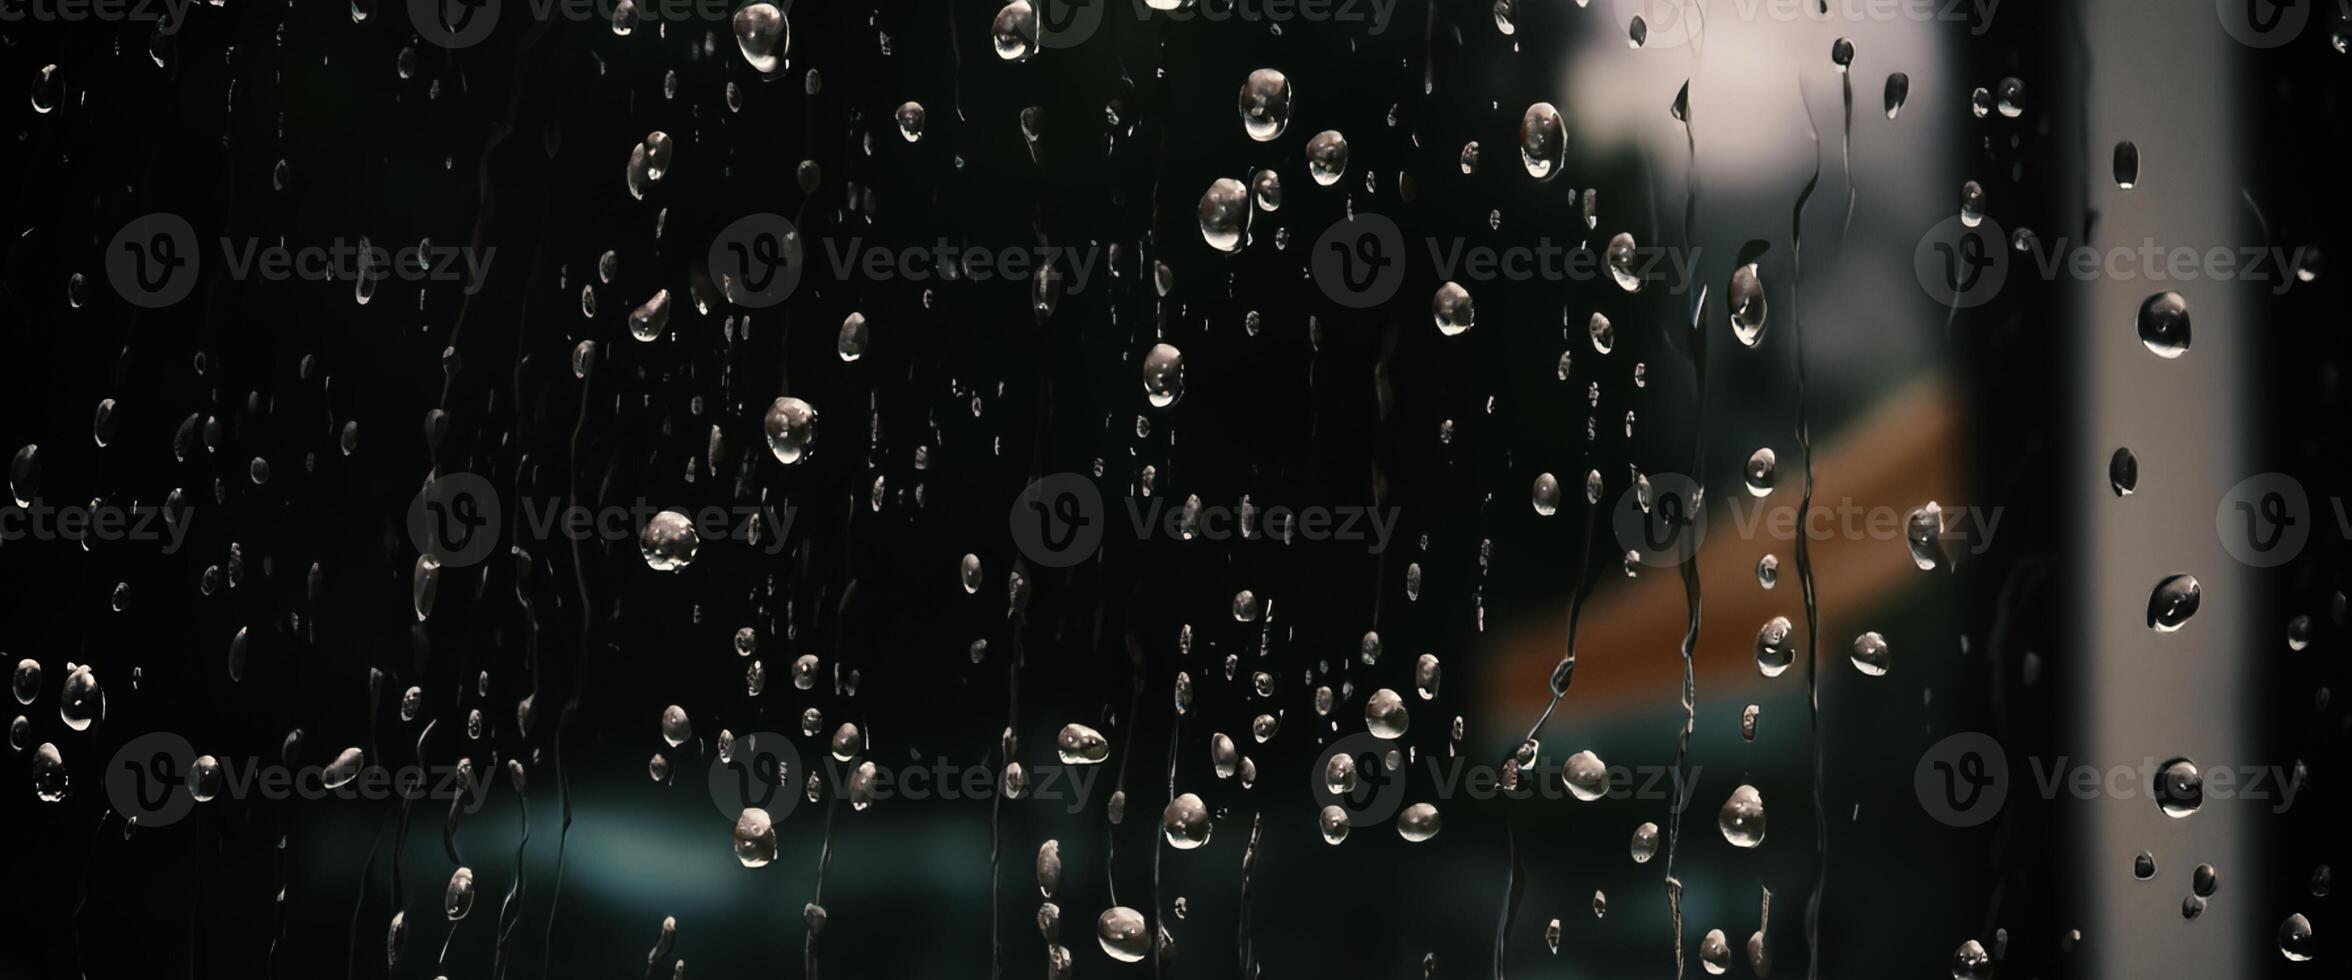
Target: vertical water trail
(1514, 888)
(1159, 840)
(1853, 193)
(1687, 542)
(1126, 752)
(996, 801)
(1805, 554)
(1249, 861)
(813, 917)
(824, 861)
(563, 721)
(367, 871)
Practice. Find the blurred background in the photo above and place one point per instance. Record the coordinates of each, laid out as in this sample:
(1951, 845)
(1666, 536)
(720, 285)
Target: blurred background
(1788, 170)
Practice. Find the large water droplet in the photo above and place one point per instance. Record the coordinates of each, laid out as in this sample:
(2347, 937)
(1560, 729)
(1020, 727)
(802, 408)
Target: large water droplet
(2174, 600)
(1452, 309)
(1265, 104)
(1742, 818)
(2164, 324)
(1543, 140)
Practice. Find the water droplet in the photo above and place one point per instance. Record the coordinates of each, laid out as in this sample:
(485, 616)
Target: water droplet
(760, 31)
(2294, 939)
(1773, 653)
(1760, 471)
(1223, 208)
(2127, 165)
(1970, 962)
(1715, 952)
(2174, 600)
(1452, 310)
(1163, 375)
(669, 542)
(1603, 333)
(1898, 88)
(1923, 532)
(2164, 324)
(791, 426)
(1418, 822)
(1587, 777)
(2123, 472)
(1543, 140)
(1622, 255)
(1746, 298)
(1265, 104)
(1327, 157)
(2180, 788)
(1645, 843)
(1385, 714)
(1185, 822)
(1870, 654)
(1015, 31)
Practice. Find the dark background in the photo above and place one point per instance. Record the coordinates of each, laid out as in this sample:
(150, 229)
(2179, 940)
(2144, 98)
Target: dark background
(520, 143)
